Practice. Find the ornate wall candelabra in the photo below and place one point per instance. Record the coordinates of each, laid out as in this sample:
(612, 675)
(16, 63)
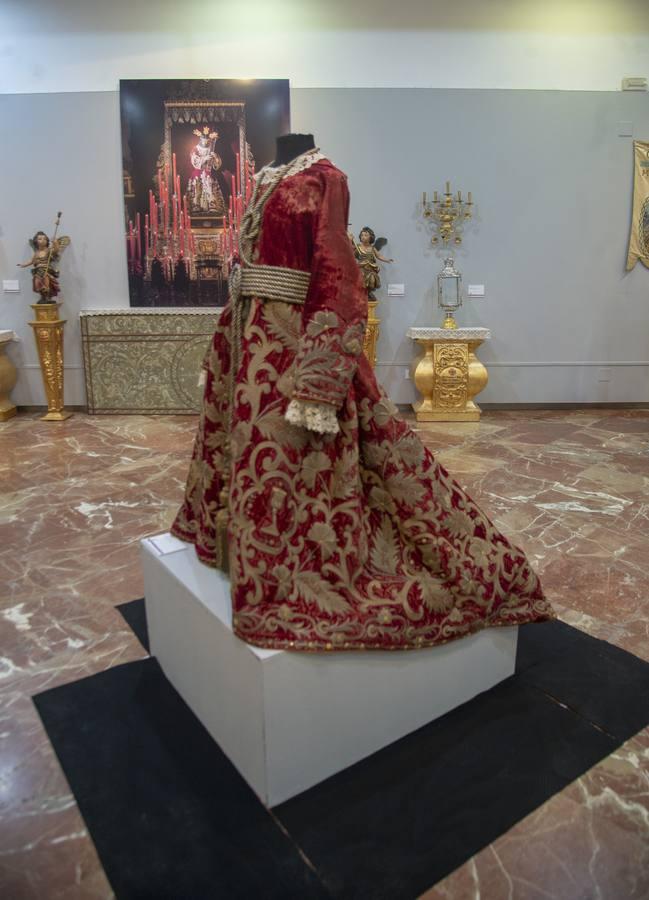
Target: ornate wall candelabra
(447, 216)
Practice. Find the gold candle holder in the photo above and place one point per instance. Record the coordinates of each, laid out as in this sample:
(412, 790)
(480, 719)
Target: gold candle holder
(48, 334)
(447, 215)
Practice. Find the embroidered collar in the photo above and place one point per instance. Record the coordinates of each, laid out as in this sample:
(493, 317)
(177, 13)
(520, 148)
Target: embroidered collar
(300, 164)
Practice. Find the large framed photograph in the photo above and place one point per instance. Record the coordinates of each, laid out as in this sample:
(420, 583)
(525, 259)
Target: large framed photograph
(190, 150)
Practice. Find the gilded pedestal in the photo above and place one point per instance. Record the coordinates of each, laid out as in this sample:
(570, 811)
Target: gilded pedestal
(448, 374)
(48, 333)
(7, 378)
(371, 333)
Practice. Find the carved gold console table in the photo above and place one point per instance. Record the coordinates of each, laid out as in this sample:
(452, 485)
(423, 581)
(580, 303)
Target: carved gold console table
(448, 374)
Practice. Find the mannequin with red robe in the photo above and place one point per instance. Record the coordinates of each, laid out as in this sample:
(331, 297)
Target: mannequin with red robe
(344, 533)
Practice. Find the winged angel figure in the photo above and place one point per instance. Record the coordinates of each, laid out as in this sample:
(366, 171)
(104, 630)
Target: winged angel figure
(45, 263)
(367, 252)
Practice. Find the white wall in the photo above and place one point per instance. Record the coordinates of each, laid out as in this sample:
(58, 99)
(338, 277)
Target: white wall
(72, 45)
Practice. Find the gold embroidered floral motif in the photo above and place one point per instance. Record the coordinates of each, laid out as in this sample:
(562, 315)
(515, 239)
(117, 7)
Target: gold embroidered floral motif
(324, 367)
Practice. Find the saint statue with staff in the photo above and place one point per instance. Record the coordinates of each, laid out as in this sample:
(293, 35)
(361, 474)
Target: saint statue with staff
(45, 263)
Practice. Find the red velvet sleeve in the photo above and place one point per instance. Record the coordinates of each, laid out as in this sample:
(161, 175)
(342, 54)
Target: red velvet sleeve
(335, 311)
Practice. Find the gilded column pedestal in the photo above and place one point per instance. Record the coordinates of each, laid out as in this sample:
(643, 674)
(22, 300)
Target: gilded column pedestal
(7, 378)
(448, 374)
(371, 333)
(48, 333)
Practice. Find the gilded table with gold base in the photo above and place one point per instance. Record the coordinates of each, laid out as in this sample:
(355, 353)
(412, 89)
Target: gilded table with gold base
(448, 375)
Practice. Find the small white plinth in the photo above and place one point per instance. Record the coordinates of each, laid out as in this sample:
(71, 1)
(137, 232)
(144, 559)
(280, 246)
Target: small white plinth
(288, 720)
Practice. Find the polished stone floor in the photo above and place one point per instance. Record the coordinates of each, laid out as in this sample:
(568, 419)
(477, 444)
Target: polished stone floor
(572, 488)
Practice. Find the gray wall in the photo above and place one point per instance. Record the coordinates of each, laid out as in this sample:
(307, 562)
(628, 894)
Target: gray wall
(61, 152)
(551, 176)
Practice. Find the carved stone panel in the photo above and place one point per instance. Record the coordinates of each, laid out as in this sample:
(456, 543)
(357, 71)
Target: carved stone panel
(145, 362)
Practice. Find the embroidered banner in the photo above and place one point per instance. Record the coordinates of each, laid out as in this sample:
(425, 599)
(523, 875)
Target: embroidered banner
(639, 238)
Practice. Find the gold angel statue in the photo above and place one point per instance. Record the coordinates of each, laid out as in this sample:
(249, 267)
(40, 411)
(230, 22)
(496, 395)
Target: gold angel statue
(366, 251)
(45, 263)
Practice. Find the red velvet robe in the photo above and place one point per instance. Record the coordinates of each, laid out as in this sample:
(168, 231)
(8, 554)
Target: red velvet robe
(354, 540)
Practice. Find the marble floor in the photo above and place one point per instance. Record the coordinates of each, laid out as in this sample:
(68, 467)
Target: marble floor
(572, 488)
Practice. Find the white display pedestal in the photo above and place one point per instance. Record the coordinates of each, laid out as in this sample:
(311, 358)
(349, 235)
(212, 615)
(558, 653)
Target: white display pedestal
(287, 720)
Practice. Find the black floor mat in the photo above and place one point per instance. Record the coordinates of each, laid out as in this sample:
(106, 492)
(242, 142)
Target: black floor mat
(606, 685)
(396, 823)
(168, 813)
(171, 817)
(134, 613)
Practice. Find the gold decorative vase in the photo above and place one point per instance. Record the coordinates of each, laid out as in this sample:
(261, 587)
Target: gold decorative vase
(48, 333)
(372, 332)
(7, 378)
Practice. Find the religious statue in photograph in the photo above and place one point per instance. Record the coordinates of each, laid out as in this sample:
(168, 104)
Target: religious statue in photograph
(204, 191)
(44, 263)
(366, 251)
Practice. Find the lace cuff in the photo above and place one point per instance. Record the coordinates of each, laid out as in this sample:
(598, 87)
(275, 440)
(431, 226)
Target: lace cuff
(318, 417)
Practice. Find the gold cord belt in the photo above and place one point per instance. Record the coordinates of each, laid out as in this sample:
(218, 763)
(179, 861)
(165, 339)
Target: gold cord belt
(269, 283)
